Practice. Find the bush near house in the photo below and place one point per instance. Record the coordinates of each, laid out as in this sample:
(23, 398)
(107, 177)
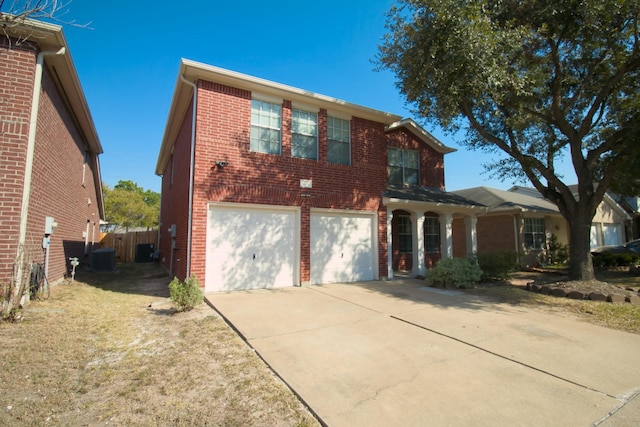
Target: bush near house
(497, 265)
(458, 272)
(185, 295)
(611, 259)
(556, 253)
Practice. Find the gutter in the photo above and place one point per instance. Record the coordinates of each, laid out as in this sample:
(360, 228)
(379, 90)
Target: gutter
(191, 171)
(31, 145)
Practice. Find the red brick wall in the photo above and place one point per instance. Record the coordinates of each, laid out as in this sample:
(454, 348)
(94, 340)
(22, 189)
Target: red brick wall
(16, 84)
(222, 134)
(431, 162)
(496, 233)
(175, 202)
(62, 186)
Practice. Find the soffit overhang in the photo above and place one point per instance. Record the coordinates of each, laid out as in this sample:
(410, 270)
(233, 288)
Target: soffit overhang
(194, 71)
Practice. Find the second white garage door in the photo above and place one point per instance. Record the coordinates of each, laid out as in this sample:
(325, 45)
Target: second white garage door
(342, 247)
(250, 247)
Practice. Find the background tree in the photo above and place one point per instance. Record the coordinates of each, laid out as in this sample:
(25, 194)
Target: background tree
(129, 205)
(538, 81)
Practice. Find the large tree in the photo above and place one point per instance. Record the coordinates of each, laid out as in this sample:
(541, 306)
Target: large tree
(532, 82)
(129, 205)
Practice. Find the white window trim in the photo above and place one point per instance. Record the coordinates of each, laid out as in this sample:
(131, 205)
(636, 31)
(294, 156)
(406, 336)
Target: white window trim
(337, 140)
(264, 98)
(304, 134)
(404, 167)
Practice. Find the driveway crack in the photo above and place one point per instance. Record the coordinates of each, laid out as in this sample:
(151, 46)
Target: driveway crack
(504, 357)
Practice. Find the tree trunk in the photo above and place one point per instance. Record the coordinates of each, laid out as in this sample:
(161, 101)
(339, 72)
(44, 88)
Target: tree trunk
(580, 263)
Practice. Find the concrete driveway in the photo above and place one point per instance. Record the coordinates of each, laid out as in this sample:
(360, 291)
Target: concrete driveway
(396, 353)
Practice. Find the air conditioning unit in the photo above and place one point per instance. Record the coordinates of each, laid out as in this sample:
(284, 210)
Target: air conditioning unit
(144, 252)
(103, 259)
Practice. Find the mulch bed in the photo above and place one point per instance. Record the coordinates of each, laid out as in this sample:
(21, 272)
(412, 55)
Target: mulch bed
(590, 290)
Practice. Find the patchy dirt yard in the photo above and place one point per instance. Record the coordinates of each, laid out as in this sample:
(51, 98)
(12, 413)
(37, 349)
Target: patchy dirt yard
(110, 350)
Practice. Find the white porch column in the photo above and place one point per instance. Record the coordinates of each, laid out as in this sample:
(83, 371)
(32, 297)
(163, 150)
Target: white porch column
(389, 245)
(470, 223)
(446, 233)
(417, 230)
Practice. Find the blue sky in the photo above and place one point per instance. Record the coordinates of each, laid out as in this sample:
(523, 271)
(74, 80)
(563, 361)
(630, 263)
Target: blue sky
(128, 62)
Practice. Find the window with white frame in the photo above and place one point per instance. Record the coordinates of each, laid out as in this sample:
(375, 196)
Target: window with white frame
(338, 141)
(405, 241)
(304, 137)
(403, 166)
(534, 233)
(266, 120)
(431, 234)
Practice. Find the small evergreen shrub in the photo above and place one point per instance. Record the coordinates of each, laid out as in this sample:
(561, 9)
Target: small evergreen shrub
(556, 253)
(185, 295)
(458, 272)
(497, 265)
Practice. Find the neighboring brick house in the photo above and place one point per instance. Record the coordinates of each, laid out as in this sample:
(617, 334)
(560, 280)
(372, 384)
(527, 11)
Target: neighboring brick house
(521, 220)
(516, 222)
(48, 155)
(612, 224)
(288, 187)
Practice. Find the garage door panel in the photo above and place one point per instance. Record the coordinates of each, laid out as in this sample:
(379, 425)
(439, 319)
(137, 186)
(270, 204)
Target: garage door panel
(250, 248)
(341, 248)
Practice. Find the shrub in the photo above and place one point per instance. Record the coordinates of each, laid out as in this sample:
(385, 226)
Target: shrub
(458, 272)
(556, 253)
(497, 265)
(185, 295)
(612, 259)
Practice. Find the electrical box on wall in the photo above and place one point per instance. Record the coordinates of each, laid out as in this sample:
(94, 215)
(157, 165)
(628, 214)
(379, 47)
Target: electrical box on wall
(49, 225)
(172, 230)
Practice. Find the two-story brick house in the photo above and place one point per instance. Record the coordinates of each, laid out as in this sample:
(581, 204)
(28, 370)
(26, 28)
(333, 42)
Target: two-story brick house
(266, 185)
(49, 147)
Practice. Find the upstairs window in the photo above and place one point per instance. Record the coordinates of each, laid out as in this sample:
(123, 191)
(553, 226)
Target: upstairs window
(405, 241)
(431, 234)
(534, 233)
(403, 166)
(266, 120)
(304, 138)
(338, 141)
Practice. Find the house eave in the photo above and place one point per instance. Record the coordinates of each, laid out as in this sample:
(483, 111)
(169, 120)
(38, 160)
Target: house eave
(50, 37)
(194, 71)
(422, 134)
(398, 203)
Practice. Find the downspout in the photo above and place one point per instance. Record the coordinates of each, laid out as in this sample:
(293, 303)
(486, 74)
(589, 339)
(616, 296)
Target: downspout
(31, 145)
(191, 171)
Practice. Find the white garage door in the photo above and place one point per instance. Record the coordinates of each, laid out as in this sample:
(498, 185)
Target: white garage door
(342, 247)
(251, 247)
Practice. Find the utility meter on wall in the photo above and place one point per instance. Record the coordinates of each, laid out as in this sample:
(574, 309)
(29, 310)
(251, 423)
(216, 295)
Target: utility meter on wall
(49, 225)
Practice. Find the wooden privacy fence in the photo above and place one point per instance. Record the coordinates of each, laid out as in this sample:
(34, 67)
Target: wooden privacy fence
(125, 243)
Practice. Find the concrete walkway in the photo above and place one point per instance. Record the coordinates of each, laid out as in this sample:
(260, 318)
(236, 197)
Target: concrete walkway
(396, 353)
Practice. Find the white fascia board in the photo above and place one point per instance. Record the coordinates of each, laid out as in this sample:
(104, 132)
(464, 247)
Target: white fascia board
(50, 37)
(195, 70)
(421, 133)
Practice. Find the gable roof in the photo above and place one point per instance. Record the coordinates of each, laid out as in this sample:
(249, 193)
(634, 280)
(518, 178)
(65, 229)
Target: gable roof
(194, 71)
(507, 201)
(610, 198)
(421, 133)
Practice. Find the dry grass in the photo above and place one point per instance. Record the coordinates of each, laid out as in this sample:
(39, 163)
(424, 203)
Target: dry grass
(621, 316)
(109, 350)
